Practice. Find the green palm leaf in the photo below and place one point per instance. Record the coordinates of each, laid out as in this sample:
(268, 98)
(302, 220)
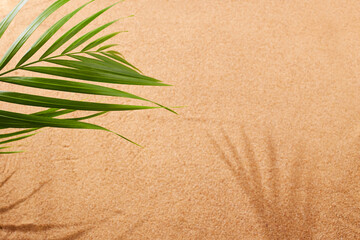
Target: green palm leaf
(15, 47)
(40, 101)
(106, 47)
(109, 65)
(16, 139)
(52, 112)
(87, 36)
(11, 152)
(7, 135)
(19, 120)
(95, 66)
(8, 19)
(16, 120)
(99, 41)
(73, 31)
(112, 55)
(71, 86)
(103, 65)
(68, 86)
(92, 75)
(48, 34)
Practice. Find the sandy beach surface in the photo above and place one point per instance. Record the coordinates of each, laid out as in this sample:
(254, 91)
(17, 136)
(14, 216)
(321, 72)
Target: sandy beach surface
(267, 147)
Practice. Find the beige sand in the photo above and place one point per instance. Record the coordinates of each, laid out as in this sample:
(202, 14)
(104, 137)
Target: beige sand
(268, 147)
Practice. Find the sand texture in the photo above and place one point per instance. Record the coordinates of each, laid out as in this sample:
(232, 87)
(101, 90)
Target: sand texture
(267, 147)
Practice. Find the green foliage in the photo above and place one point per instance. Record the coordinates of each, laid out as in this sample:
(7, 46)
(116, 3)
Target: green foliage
(100, 66)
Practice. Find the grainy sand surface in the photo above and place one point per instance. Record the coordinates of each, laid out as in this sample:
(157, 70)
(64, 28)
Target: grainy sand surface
(268, 146)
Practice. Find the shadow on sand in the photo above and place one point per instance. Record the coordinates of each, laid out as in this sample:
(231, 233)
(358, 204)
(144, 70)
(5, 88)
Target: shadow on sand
(19, 231)
(283, 215)
(43, 231)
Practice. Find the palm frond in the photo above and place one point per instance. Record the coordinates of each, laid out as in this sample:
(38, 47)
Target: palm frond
(87, 36)
(106, 47)
(100, 40)
(20, 41)
(100, 66)
(48, 34)
(73, 31)
(8, 19)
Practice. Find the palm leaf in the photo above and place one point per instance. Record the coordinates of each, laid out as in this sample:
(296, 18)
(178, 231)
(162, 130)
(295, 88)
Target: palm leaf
(87, 36)
(95, 66)
(68, 86)
(16, 120)
(48, 34)
(19, 42)
(7, 135)
(8, 19)
(108, 65)
(73, 31)
(19, 120)
(16, 139)
(101, 64)
(52, 112)
(106, 47)
(11, 152)
(71, 86)
(100, 40)
(91, 75)
(40, 101)
(113, 55)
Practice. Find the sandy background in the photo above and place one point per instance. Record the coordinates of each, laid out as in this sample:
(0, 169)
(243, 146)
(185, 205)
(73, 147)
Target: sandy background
(267, 147)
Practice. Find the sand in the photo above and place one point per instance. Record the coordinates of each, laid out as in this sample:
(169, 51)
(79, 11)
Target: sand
(267, 146)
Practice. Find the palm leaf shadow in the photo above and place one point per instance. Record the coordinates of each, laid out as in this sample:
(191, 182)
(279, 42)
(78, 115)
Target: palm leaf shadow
(2, 183)
(131, 230)
(20, 201)
(75, 235)
(347, 216)
(346, 202)
(10, 229)
(289, 217)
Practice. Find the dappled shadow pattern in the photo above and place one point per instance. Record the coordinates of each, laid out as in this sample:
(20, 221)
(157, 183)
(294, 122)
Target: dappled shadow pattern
(282, 215)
